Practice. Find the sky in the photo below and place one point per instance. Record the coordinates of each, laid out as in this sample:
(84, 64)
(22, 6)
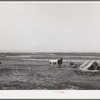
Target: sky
(50, 27)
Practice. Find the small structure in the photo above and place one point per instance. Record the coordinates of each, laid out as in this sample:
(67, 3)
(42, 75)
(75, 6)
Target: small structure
(91, 66)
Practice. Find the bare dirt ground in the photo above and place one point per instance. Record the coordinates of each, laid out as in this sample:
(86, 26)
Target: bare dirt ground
(20, 73)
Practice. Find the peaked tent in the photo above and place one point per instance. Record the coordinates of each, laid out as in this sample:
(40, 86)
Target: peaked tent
(89, 65)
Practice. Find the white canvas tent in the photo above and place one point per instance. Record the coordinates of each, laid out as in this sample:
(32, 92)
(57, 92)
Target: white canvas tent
(89, 66)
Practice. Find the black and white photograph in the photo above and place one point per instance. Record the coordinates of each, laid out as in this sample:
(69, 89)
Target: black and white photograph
(49, 46)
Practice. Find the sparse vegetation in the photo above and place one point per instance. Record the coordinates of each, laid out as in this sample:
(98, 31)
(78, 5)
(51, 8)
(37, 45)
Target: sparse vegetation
(20, 73)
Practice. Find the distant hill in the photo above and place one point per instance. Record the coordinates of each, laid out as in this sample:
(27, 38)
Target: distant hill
(54, 53)
(78, 54)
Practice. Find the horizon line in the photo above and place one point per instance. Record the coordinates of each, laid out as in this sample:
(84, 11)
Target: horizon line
(46, 52)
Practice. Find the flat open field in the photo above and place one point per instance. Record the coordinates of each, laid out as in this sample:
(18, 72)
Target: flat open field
(27, 71)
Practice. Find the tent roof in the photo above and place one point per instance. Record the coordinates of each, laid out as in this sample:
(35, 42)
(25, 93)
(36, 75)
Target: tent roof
(86, 65)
